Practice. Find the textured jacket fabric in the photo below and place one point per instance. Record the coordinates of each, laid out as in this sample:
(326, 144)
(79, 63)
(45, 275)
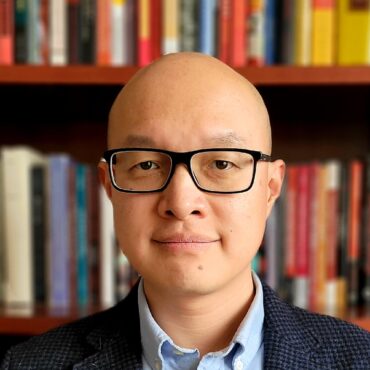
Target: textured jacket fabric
(293, 339)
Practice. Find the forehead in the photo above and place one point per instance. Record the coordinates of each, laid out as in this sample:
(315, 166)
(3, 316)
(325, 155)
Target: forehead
(173, 111)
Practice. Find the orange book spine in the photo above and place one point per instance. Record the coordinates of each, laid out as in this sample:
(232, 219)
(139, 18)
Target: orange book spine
(238, 52)
(103, 32)
(6, 32)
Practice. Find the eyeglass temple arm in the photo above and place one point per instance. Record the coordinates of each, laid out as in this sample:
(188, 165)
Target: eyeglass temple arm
(265, 158)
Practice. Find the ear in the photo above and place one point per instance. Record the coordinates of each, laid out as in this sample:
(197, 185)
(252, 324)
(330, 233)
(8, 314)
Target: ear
(104, 178)
(275, 182)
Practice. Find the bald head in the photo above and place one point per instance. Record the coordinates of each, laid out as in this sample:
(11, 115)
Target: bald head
(188, 87)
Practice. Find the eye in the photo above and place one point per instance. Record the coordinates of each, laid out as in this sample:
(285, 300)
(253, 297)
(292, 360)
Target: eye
(223, 165)
(147, 165)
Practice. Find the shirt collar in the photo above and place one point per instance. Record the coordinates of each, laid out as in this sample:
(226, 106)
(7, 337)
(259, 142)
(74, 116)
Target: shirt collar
(248, 338)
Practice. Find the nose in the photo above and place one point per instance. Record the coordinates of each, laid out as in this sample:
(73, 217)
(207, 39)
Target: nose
(182, 199)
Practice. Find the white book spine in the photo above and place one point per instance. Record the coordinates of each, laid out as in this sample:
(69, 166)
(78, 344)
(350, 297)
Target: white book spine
(117, 32)
(58, 32)
(17, 162)
(108, 251)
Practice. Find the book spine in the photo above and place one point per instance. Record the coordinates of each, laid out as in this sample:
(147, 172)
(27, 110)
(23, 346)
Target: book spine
(238, 40)
(271, 31)
(171, 26)
(257, 33)
(353, 32)
(20, 31)
(81, 234)
(207, 26)
(39, 227)
(224, 27)
(144, 41)
(103, 33)
(58, 32)
(6, 32)
(323, 32)
(86, 41)
(189, 25)
(302, 32)
(73, 19)
(59, 269)
(332, 229)
(117, 32)
(354, 231)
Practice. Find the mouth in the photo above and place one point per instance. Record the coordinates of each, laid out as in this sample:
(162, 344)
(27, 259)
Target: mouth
(185, 242)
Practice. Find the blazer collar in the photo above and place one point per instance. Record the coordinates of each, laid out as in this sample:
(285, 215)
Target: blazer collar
(116, 337)
(117, 342)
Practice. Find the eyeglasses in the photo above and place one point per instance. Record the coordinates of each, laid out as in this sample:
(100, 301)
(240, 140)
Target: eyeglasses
(144, 170)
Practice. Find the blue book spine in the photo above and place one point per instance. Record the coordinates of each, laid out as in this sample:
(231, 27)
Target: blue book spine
(59, 231)
(270, 32)
(81, 235)
(207, 26)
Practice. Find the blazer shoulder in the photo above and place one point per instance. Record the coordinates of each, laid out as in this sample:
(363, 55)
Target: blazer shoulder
(66, 345)
(328, 339)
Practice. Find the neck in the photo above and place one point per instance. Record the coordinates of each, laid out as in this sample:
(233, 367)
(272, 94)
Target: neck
(218, 314)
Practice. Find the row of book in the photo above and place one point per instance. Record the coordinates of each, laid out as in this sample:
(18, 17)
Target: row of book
(316, 250)
(57, 244)
(239, 32)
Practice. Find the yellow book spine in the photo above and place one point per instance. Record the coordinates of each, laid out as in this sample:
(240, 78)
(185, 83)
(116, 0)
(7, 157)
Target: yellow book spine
(323, 32)
(302, 32)
(353, 32)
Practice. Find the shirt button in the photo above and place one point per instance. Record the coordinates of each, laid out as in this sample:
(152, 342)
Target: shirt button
(157, 364)
(239, 364)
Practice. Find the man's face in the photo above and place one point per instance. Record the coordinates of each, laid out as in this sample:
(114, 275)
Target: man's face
(182, 239)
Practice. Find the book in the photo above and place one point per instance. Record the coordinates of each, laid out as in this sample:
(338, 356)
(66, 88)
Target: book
(355, 179)
(323, 32)
(20, 31)
(332, 189)
(17, 163)
(224, 30)
(207, 26)
(287, 50)
(59, 231)
(189, 25)
(256, 33)
(103, 33)
(116, 34)
(108, 250)
(170, 26)
(39, 231)
(302, 32)
(353, 46)
(238, 40)
(87, 32)
(58, 44)
(6, 32)
(144, 53)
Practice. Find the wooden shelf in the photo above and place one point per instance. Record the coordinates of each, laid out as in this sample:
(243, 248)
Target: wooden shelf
(265, 76)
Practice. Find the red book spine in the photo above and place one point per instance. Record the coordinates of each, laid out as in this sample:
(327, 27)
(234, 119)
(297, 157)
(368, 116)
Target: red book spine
(238, 52)
(144, 29)
(103, 33)
(155, 28)
(6, 32)
(302, 228)
(224, 27)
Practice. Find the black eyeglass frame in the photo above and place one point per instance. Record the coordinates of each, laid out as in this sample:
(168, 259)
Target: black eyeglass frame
(185, 158)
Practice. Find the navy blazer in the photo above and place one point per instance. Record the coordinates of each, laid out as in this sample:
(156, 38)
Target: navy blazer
(293, 339)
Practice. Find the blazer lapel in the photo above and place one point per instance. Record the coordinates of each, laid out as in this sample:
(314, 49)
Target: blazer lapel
(288, 343)
(116, 339)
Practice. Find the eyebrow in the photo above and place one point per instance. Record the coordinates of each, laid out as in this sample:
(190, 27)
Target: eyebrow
(230, 139)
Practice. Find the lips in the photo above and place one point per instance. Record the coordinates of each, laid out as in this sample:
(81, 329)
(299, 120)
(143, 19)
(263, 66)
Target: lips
(185, 241)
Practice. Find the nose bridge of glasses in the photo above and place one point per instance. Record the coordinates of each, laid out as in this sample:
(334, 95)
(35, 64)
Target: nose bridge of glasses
(178, 159)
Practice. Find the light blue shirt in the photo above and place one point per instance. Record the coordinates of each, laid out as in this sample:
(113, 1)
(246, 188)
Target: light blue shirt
(244, 352)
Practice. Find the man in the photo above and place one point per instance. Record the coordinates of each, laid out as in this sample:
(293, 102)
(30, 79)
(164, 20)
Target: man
(192, 183)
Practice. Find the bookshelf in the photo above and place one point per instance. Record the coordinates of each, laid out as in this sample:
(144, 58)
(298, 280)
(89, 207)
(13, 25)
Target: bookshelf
(316, 112)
